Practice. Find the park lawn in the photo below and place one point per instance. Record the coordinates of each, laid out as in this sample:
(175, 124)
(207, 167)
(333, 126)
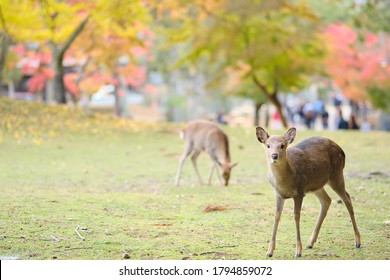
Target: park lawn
(91, 187)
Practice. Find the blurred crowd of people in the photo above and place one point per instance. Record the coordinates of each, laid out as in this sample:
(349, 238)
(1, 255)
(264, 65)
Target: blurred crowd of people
(308, 113)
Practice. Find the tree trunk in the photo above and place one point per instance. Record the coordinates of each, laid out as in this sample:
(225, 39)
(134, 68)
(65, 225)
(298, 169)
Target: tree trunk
(120, 93)
(11, 89)
(5, 41)
(117, 107)
(275, 101)
(59, 87)
(49, 95)
(57, 59)
(256, 119)
(273, 98)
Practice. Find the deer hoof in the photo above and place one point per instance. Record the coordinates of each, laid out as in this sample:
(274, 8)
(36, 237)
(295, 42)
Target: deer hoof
(269, 255)
(309, 247)
(298, 255)
(357, 245)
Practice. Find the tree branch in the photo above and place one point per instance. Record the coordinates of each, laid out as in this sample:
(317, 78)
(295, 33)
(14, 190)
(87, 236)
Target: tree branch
(261, 85)
(73, 36)
(77, 231)
(3, 23)
(276, 86)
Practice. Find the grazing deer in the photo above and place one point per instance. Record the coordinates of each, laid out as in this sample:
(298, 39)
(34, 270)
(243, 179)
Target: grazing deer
(201, 135)
(306, 167)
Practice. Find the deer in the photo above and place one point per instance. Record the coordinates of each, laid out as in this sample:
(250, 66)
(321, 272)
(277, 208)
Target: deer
(304, 168)
(203, 135)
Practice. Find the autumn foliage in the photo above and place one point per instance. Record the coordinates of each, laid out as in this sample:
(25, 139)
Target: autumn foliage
(255, 49)
(357, 62)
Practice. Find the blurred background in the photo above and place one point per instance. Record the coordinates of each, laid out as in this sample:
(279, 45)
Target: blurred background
(312, 64)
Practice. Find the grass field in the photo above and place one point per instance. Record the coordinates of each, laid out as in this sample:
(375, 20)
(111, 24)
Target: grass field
(76, 186)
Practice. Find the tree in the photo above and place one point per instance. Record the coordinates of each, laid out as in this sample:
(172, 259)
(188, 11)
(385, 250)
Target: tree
(359, 65)
(373, 15)
(114, 47)
(237, 85)
(16, 20)
(50, 21)
(61, 34)
(277, 40)
(114, 26)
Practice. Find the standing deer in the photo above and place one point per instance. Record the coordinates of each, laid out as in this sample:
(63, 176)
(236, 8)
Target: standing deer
(306, 167)
(201, 135)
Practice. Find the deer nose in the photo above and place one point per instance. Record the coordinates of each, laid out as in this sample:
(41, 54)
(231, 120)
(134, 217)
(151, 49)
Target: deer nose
(274, 156)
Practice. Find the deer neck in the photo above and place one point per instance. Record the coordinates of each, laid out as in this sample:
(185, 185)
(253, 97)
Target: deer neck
(222, 152)
(281, 177)
(223, 158)
(281, 171)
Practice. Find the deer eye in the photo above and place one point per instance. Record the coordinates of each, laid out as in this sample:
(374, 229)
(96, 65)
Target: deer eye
(268, 146)
(282, 146)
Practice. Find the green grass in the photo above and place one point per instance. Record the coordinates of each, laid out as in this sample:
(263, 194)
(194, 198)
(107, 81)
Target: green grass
(61, 169)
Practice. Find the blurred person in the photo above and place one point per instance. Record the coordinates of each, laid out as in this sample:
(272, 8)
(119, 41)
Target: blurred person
(320, 112)
(325, 119)
(319, 107)
(308, 114)
(337, 100)
(220, 118)
(276, 120)
(352, 124)
(341, 122)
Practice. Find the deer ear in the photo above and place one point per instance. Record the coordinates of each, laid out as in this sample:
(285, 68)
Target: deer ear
(233, 165)
(261, 134)
(290, 134)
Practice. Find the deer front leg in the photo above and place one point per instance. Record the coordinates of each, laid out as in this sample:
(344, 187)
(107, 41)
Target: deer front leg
(278, 213)
(183, 157)
(297, 216)
(217, 171)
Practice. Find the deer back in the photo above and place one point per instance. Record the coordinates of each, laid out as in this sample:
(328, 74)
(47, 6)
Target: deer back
(315, 161)
(208, 136)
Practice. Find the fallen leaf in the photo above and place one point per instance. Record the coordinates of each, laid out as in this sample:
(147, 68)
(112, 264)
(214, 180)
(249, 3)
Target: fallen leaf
(214, 207)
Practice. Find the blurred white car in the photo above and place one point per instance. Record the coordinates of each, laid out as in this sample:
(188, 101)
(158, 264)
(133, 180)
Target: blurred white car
(104, 97)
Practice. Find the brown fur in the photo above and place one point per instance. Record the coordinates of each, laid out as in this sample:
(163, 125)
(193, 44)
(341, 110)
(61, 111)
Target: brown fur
(199, 136)
(305, 167)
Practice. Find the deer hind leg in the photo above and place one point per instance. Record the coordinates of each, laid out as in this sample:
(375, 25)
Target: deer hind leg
(325, 201)
(339, 187)
(185, 154)
(297, 216)
(278, 213)
(193, 159)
